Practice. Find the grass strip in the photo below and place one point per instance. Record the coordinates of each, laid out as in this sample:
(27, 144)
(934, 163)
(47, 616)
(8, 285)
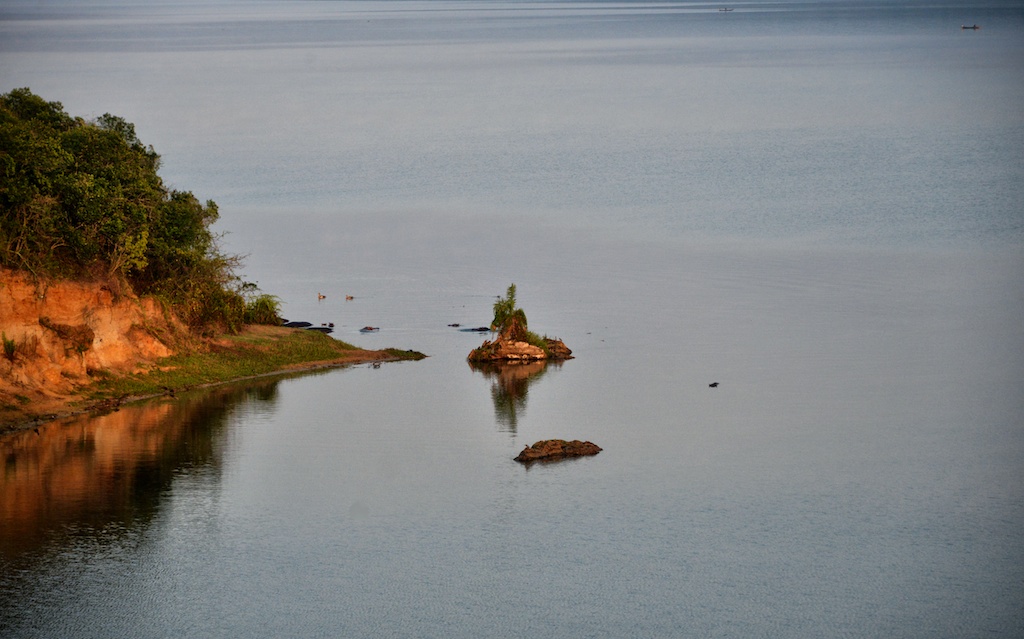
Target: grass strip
(255, 352)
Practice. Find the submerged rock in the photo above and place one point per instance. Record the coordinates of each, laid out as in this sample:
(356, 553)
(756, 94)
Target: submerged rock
(550, 449)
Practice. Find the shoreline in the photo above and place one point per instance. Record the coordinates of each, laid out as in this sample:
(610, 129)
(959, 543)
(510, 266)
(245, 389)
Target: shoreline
(257, 338)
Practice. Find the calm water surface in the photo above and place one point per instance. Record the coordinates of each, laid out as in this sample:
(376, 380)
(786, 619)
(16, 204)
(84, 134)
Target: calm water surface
(818, 205)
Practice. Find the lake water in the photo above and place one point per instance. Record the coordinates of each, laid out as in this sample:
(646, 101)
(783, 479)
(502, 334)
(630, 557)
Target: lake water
(818, 205)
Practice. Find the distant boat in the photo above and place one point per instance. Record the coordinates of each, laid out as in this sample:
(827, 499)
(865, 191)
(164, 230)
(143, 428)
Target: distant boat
(725, 9)
(320, 329)
(297, 324)
(973, 27)
(369, 329)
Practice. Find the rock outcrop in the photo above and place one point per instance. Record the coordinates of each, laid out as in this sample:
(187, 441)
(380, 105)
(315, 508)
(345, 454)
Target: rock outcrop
(513, 345)
(551, 449)
(558, 350)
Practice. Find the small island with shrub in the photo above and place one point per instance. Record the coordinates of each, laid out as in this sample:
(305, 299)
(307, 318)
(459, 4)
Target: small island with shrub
(515, 342)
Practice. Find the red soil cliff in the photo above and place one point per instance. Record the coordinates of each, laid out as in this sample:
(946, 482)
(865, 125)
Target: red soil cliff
(56, 333)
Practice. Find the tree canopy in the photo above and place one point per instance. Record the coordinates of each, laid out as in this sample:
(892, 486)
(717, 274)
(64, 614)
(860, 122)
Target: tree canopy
(83, 198)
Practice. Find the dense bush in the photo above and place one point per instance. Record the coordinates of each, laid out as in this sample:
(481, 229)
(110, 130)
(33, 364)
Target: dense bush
(260, 308)
(82, 198)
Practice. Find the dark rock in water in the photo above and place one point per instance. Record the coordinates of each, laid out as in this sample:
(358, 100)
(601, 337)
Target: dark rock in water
(320, 329)
(480, 329)
(551, 449)
(558, 350)
(298, 324)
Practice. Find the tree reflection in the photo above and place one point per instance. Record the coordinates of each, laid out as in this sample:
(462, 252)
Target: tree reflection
(91, 473)
(510, 383)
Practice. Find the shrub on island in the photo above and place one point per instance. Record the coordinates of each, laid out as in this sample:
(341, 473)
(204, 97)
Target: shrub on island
(515, 342)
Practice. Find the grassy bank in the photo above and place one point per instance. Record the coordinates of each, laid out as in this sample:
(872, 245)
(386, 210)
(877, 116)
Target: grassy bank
(256, 351)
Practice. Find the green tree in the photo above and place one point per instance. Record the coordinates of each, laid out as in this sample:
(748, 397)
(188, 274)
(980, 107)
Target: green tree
(505, 312)
(81, 198)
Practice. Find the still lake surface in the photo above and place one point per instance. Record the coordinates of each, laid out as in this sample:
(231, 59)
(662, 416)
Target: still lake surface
(819, 205)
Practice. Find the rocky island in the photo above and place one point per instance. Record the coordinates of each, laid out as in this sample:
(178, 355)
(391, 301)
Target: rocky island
(552, 449)
(515, 342)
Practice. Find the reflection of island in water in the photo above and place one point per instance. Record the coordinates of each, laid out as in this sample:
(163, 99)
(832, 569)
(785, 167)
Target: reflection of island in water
(87, 472)
(509, 385)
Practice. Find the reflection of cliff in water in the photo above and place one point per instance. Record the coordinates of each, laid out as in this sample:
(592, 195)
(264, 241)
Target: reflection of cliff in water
(85, 474)
(509, 385)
